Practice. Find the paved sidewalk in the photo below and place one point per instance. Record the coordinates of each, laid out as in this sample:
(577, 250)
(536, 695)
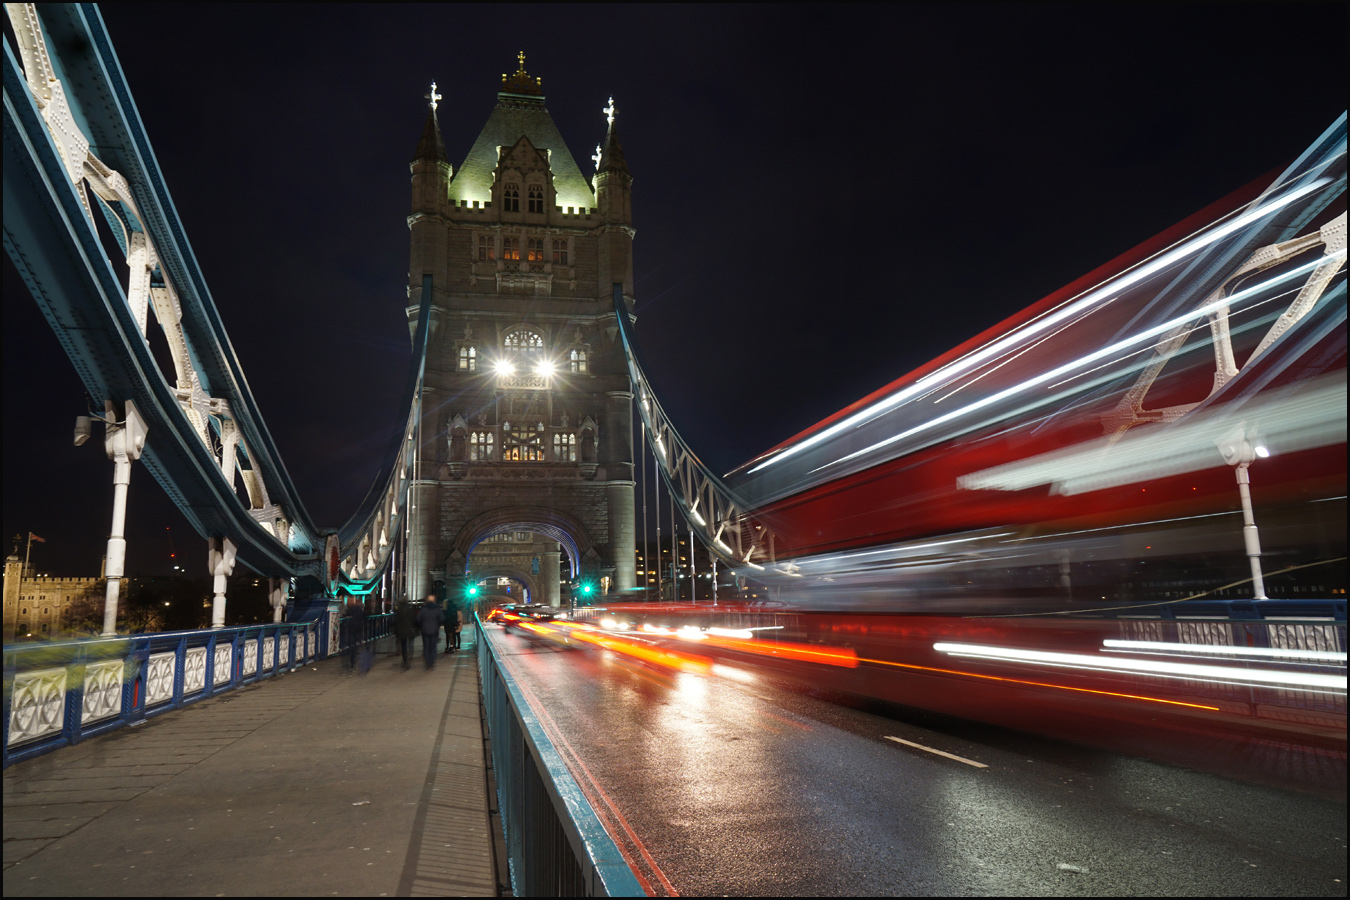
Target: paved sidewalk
(311, 784)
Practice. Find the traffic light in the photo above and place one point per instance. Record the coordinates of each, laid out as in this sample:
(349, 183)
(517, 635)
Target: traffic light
(586, 589)
(473, 590)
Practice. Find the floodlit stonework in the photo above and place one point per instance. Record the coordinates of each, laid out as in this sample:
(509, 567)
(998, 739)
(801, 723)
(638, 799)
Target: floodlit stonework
(526, 409)
(35, 604)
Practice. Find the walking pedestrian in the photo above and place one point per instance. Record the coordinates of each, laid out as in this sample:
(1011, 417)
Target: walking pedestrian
(459, 626)
(405, 629)
(451, 617)
(356, 632)
(429, 623)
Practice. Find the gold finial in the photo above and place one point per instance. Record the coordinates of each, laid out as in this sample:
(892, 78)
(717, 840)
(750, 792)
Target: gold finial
(521, 83)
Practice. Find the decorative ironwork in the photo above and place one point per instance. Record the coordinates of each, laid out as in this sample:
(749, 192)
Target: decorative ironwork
(38, 705)
(194, 670)
(159, 672)
(224, 662)
(269, 652)
(251, 656)
(102, 691)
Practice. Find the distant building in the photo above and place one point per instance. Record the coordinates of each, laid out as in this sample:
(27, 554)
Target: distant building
(35, 604)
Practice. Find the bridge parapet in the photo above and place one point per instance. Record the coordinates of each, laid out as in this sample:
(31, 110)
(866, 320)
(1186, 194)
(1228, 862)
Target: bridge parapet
(58, 694)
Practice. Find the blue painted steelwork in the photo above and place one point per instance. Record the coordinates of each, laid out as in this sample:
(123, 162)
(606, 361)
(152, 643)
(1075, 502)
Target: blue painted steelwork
(57, 251)
(555, 843)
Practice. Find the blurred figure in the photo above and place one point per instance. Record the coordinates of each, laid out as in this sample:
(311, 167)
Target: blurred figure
(429, 620)
(405, 629)
(355, 620)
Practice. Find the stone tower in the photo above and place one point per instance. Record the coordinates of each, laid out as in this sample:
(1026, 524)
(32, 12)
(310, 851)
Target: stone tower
(526, 425)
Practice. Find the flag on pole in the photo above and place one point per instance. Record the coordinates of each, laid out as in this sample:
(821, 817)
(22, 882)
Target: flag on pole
(34, 537)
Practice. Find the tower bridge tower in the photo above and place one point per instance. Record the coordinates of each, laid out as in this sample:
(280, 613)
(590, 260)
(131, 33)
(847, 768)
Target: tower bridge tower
(527, 407)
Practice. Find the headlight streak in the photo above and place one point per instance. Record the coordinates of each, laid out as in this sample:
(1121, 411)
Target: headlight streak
(1069, 367)
(1061, 687)
(1071, 308)
(1269, 652)
(1060, 534)
(1151, 668)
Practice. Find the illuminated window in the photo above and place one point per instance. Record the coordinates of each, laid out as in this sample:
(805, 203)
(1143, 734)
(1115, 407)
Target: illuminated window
(522, 342)
(468, 359)
(536, 198)
(480, 446)
(486, 250)
(511, 248)
(560, 253)
(578, 360)
(536, 248)
(511, 198)
(523, 442)
(565, 447)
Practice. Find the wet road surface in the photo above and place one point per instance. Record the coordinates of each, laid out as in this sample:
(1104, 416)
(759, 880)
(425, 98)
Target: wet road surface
(739, 783)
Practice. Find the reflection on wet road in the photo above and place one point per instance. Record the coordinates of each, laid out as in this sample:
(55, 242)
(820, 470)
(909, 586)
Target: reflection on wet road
(734, 782)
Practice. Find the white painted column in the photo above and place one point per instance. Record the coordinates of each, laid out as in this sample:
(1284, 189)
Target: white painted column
(276, 592)
(221, 560)
(123, 441)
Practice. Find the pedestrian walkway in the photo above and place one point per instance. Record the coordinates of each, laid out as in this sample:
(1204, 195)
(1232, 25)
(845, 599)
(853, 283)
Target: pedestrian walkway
(317, 783)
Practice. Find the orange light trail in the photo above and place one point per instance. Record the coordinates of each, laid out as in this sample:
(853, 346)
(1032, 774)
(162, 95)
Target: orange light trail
(804, 652)
(1062, 687)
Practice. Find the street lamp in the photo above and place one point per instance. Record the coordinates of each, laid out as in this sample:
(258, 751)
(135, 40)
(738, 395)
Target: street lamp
(1239, 448)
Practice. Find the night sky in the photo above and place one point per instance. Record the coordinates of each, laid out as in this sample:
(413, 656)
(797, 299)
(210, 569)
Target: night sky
(825, 197)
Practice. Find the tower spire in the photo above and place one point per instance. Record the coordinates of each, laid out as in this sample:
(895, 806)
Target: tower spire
(609, 158)
(430, 146)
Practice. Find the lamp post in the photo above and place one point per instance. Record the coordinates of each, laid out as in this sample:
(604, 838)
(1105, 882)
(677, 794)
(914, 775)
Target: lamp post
(1240, 449)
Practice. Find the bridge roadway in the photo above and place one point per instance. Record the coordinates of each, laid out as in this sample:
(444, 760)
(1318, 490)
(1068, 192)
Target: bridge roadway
(741, 783)
(316, 783)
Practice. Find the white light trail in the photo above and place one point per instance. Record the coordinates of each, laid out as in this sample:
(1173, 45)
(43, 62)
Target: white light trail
(1084, 360)
(1265, 652)
(1103, 293)
(1188, 671)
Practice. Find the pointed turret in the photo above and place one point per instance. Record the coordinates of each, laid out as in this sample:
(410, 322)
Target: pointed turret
(613, 197)
(431, 148)
(611, 154)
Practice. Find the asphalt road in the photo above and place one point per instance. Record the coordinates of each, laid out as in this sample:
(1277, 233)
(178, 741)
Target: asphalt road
(740, 783)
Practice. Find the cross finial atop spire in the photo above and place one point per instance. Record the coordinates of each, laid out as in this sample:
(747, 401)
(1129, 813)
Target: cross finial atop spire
(596, 158)
(521, 56)
(521, 83)
(610, 110)
(433, 96)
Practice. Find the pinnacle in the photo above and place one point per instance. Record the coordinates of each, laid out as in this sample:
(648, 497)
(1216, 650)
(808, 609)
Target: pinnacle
(431, 146)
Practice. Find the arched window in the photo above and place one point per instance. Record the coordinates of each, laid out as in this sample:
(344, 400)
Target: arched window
(525, 343)
(486, 250)
(560, 253)
(536, 249)
(523, 442)
(536, 198)
(565, 447)
(511, 248)
(511, 197)
(580, 363)
(468, 359)
(480, 446)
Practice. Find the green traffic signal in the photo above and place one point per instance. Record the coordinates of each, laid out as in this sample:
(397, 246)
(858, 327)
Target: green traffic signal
(586, 588)
(473, 590)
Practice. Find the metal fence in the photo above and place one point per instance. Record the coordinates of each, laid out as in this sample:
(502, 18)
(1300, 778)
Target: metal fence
(555, 843)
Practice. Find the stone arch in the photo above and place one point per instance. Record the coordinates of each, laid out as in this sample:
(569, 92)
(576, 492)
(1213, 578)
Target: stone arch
(553, 524)
(525, 578)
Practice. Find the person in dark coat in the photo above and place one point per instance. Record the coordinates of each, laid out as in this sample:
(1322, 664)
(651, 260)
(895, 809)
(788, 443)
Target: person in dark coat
(429, 620)
(451, 617)
(405, 628)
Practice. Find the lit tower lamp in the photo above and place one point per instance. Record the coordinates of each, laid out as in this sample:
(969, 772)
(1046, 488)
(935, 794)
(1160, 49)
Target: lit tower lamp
(1240, 448)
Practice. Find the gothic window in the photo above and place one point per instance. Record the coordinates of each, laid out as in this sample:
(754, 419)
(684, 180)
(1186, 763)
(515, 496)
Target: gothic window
(579, 360)
(511, 197)
(536, 248)
(468, 358)
(560, 253)
(536, 198)
(523, 342)
(511, 248)
(523, 442)
(565, 447)
(486, 250)
(480, 446)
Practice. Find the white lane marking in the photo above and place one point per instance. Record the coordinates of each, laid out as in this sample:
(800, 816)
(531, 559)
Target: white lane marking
(969, 762)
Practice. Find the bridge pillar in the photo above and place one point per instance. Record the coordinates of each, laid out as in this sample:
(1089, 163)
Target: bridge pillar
(549, 573)
(123, 442)
(221, 557)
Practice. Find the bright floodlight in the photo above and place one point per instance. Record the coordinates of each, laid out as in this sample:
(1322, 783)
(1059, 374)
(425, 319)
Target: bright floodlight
(1262, 451)
(545, 367)
(505, 367)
